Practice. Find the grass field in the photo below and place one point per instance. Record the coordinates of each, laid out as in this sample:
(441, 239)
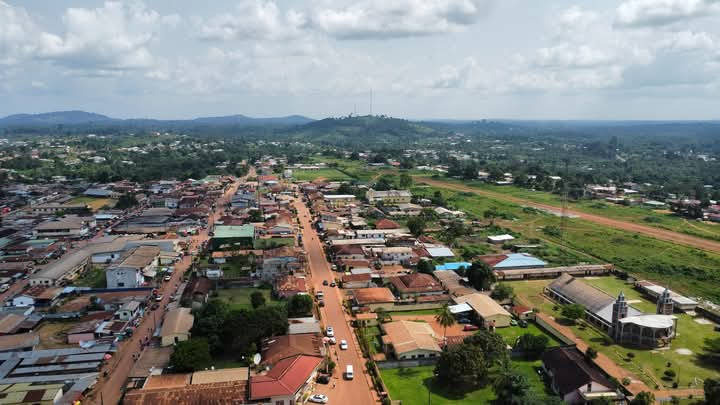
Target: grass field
(355, 169)
(412, 386)
(94, 278)
(94, 203)
(512, 333)
(692, 271)
(649, 365)
(239, 298)
(638, 215)
(325, 174)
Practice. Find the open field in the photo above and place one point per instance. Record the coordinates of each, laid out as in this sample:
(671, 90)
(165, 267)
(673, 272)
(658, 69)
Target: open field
(412, 386)
(94, 203)
(512, 333)
(324, 174)
(693, 271)
(648, 365)
(355, 169)
(605, 218)
(53, 335)
(94, 278)
(239, 298)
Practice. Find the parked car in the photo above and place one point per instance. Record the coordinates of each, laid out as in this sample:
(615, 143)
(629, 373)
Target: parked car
(523, 323)
(343, 345)
(513, 322)
(158, 298)
(4, 288)
(323, 379)
(329, 331)
(468, 328)
(325, 282)
(167, 278)
(318, 399)
(333, 284)
(321, 303)
(464, 320)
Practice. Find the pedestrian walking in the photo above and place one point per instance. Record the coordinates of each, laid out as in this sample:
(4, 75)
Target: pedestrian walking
(334, 384)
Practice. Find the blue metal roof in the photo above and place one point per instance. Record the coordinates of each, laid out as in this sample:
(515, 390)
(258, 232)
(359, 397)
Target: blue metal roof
(520, 260)
(453, 266)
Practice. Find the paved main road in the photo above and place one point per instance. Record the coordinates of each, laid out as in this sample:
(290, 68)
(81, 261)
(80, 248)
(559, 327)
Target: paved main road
(356, 391)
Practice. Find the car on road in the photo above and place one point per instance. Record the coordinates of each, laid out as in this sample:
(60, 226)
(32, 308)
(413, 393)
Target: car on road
(167, 278)
(4, 288)
(321, 303)
(333, 284)
(343, 345)
(349, 374)
(158, 298)
(325, 282)
(318, 399)
(323, 379)
(468, 328)
(329, 331)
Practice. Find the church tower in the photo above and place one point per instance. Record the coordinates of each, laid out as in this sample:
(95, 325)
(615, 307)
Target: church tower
(665, 303)
(619, 311)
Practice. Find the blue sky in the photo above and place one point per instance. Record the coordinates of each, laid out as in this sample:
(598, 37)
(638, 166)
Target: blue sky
(470, 59)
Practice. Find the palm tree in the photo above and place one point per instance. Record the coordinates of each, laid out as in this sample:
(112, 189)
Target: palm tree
(445, 318)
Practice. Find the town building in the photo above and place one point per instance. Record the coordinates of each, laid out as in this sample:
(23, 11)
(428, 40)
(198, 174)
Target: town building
(412, 285)
(488, 311)
(286, 383)
(132, 272)
(410, 340)
(176, 327)
(374, 298)
(389, 197)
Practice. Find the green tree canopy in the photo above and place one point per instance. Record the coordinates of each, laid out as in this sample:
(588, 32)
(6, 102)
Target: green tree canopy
(643, 398)
(300, 305)
(416, 225)
(573, 311)
(257, 299)
(481, 276)
(502, 291)
(532, 346)
(462, 367)
(190, 355)
(489, 343)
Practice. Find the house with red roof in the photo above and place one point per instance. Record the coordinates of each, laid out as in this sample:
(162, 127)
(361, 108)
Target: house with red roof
(286, 382)
(386, 224)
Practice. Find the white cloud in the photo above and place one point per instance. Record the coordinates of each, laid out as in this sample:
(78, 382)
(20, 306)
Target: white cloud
(375, 19)
(253, 20)
(113, 37)
(688, 41)
(573, 56)
(639, 13)
(16, 30)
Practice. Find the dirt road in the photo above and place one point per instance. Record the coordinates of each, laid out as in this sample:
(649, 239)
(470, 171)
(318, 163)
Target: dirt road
(356, 391)
(669, 236)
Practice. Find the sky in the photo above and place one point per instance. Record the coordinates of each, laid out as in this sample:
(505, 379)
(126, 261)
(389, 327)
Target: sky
(416, 59)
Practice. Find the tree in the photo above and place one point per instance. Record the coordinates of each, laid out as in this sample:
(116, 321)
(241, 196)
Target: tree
(445, 318)
(712, 391)
(453, 231)
(257, 299)
(711, 350)
(416, 225)
(481, 276)
(573, 312)
(643, 398)
(461, 367)
(425, 266)
(190, 355)
(210, 324)
(510, 387)
(126, 201)
(501, 292)
(491, 344)
(300, 305)
(532, 345)
(405, 181)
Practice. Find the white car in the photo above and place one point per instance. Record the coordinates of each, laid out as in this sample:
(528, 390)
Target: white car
(343, 345)
(318, 399)
(329, 331)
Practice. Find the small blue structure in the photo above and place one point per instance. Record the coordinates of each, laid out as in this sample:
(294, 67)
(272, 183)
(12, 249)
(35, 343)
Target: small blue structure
(453, 266)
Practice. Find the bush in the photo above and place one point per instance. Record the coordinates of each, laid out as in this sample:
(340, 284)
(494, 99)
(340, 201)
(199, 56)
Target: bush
(631, 355)
(591, 353)
(669, 373)
(626, 381)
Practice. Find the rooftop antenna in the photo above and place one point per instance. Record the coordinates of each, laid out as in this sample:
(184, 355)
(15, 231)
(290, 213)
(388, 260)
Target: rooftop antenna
(371, 101)
(563, 212)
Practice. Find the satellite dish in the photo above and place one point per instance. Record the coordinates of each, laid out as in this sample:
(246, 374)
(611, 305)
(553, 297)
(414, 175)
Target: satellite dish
(256, 358)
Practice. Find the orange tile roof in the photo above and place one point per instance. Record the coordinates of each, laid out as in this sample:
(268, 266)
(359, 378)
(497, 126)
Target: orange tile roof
(286, 378)
(373, 295)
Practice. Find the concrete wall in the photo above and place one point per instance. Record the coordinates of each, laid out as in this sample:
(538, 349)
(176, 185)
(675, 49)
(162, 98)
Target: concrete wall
(407, 363)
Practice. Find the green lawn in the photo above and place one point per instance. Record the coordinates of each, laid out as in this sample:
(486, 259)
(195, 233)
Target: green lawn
(418, 312)
(648, 365)
(94, 203)
(512, 333)
(239, 298)
(692, 271)
(411, 385)
(325, 174)
(659, 219)
(94, 278)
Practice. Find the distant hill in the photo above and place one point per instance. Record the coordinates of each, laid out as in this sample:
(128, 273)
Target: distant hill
(362, 130)
(87, 119)
(54, 118)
